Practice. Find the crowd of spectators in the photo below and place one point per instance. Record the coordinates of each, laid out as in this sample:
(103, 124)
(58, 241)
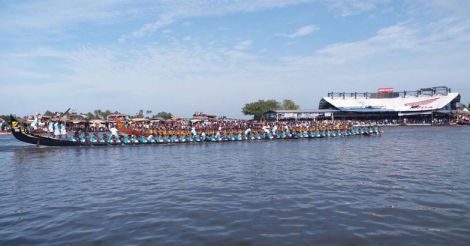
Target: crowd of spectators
(60, 128)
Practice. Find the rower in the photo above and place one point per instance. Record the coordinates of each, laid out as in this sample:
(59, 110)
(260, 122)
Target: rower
(63, 131)
(274, 130)
(34, 124)
(114, 131)
(51, 128)
(56, 129)
(93, 138)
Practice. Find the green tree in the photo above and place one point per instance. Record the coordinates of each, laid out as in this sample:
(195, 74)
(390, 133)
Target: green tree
(257, 109)
(289, 105)
(48, 113)
(140, 114)
(148, 112)
(106, 113)
(98, 114)
(164, 115)
(101, 114)
(90, 116)
(5, 117)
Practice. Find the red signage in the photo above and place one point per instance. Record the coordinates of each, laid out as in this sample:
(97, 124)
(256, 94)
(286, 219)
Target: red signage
(385, 90)
(421, 103)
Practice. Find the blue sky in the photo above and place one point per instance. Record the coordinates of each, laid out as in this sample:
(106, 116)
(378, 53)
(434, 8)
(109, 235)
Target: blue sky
(215, 56)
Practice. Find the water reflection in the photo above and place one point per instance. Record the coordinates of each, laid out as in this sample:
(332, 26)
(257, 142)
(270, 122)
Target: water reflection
(410, 185)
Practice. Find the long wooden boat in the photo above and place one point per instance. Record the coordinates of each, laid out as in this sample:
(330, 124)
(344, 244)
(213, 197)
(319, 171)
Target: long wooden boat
(20, 132)
(129, 131)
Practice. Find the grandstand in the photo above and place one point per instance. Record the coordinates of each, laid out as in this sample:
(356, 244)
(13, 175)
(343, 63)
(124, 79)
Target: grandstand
(384, 104)
(387, 103)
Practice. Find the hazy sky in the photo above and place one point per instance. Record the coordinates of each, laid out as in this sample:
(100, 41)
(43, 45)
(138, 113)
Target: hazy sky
(215, 56)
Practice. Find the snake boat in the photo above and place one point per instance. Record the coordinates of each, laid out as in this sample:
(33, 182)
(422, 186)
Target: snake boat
(126, 137)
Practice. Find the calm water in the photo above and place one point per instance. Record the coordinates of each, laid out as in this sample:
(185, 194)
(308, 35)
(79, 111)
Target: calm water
(410, 186)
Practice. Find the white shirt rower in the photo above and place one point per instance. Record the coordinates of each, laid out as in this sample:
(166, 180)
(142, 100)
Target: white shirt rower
(63, 130)
(114, 131)
(56, 129)
(51, 127)
(34, 124)
(266, 129)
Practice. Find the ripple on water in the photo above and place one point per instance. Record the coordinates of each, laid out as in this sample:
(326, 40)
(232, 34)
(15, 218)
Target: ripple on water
(409, 186)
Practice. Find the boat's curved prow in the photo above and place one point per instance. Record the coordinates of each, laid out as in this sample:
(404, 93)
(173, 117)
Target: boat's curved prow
(20, 132)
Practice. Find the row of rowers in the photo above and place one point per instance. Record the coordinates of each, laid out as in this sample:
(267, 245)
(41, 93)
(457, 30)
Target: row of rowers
(248, 134)
(164, 131)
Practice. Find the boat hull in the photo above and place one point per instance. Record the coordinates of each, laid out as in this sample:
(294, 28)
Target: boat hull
(20, 132)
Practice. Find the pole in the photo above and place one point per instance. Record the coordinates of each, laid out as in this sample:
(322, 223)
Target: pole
(432, 117)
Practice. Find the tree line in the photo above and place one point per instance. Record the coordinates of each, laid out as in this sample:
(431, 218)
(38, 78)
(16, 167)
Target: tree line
(5, 117)
(103, 114)
(148, 114)
(258, 108)
(255, 109)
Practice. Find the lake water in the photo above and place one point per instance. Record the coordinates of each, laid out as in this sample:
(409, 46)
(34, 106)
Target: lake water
(410, 186)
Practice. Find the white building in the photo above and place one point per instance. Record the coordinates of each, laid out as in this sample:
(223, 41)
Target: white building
(422, 101)
(383, 104)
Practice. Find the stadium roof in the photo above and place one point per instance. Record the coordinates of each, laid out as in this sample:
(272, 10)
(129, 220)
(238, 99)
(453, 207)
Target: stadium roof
(417, 101)
(302, 110)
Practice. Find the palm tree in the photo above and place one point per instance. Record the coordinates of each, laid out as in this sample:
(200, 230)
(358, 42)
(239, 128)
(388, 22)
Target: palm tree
(140, 114)
(148, 112)
(98, 113)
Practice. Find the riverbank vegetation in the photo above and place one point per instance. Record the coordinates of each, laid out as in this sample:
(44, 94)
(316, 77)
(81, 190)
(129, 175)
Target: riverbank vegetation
(258, 108)
(5, 117)
(103, 114)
